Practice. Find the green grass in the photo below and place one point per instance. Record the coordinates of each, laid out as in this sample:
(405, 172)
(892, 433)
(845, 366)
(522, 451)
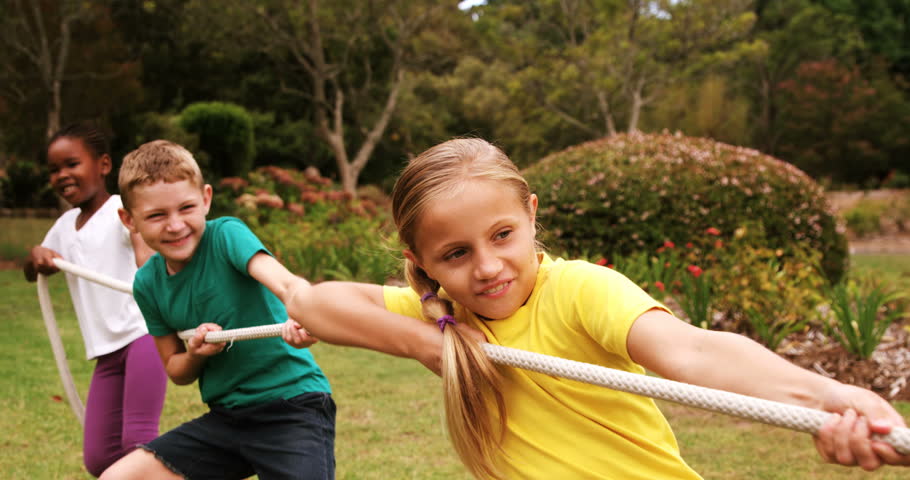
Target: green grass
(389, 413)
(18, 235)
(893, 269)
(389, 409)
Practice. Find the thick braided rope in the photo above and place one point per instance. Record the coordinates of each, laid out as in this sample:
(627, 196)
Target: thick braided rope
(779, 414)
(53, 333)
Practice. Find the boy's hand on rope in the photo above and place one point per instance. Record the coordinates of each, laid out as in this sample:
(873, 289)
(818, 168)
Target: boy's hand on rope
(296, 336)
(197, 347)
(846, 438)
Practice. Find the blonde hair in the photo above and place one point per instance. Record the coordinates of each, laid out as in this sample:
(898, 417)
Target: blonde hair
(475, 407)
(157, 161)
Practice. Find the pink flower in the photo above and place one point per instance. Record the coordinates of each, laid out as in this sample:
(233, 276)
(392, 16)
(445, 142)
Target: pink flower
(695, 270)
(669, 244)
(601, 262)
(660, 286)
(296, 208)
(712, 231)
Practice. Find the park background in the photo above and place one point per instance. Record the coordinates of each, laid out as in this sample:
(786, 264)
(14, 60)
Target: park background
(303, 112)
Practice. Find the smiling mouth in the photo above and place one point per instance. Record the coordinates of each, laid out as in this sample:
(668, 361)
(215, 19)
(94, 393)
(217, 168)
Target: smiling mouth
(66, 189)
(177, 240)
(496, 289)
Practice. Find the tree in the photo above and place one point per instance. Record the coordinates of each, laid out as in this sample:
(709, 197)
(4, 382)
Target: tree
(39, 34)
(348, 59)
(595, 65)
(59, 60)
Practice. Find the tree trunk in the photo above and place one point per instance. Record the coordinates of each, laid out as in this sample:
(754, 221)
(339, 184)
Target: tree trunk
(610, 125)
(635, 109)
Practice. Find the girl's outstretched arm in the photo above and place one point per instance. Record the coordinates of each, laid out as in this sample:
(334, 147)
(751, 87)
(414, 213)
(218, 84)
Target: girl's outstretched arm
(727, 361)
(347, 313)
(354, 314)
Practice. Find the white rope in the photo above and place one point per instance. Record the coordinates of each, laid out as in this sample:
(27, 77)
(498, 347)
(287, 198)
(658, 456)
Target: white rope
(779, 414)
(53, 333)
(96, 277)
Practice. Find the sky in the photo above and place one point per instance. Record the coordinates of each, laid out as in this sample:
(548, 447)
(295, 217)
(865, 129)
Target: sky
(466, 4)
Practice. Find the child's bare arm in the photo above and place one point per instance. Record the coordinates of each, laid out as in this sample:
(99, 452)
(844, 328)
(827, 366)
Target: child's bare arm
(40, 260)
(679, 351)
(346, 313)
(140, 249)
(183, 363)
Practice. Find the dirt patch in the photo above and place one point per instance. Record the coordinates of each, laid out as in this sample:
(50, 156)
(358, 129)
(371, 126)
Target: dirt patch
(10, 264)
(885, 372)
(897, 243)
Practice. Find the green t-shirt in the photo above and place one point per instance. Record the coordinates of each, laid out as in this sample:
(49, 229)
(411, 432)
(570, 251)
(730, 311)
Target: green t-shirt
(216, 287)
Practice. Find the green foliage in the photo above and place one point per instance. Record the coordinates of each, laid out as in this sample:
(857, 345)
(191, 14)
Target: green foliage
(843, 123)
(225, 132)
(292, 144)
(315, 229)
(861, 315)
(697, 297)
(768, 293)
(163, 126)
(863, 219)
(26, 185)
(627, 192)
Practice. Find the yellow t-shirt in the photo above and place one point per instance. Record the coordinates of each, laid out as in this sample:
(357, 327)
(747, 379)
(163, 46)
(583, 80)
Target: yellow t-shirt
(565, 429)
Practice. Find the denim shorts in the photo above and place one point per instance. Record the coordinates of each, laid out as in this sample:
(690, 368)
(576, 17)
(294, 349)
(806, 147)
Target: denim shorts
(281, 439)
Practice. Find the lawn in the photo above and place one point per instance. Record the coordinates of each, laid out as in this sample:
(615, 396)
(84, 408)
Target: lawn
(389, 409)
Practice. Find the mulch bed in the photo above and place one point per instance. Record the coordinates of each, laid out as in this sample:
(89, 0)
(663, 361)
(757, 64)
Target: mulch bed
(885, 372)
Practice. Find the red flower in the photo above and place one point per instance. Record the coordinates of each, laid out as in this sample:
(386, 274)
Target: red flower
(712, 231)
(660, 286)
(689, 245)
(718, 244)
(669, 244)
(610, 266)
(695, 270)
(601, 262)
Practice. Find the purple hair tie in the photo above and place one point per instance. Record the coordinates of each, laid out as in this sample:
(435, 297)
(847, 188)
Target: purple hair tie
(443, 320)
(425, 296)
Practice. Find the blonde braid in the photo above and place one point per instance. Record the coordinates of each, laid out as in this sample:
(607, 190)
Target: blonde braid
(474, 405)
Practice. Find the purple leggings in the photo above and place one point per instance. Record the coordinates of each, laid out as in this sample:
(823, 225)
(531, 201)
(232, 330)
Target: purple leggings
(124, 403)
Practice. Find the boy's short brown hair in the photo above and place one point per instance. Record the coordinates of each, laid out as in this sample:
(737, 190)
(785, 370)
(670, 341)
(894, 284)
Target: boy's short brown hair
(157, 161)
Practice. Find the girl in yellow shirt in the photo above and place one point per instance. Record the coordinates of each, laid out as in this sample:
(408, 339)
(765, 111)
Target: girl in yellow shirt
(467, 218)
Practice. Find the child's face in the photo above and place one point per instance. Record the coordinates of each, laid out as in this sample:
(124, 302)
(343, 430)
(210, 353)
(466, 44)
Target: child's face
(76, 175)
(170, 217)
(479, 246)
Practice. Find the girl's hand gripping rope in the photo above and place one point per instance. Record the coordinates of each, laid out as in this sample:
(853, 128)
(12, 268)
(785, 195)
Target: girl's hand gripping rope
(846, 438)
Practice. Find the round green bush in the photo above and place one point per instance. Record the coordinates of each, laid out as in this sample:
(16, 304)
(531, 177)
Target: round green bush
(225, 133)
(633, 192)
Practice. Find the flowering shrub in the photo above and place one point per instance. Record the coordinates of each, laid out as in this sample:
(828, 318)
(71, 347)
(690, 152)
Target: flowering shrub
(766, 293)
(317, 230)
(629, 192)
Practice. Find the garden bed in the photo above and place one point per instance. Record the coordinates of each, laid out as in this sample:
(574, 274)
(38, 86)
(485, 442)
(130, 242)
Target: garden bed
(885, 372)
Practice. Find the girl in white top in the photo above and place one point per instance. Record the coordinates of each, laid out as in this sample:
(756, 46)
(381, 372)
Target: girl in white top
(128, 383)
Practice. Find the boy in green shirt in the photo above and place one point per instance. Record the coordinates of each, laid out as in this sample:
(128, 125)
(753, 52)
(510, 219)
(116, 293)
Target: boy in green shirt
(272, 413)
